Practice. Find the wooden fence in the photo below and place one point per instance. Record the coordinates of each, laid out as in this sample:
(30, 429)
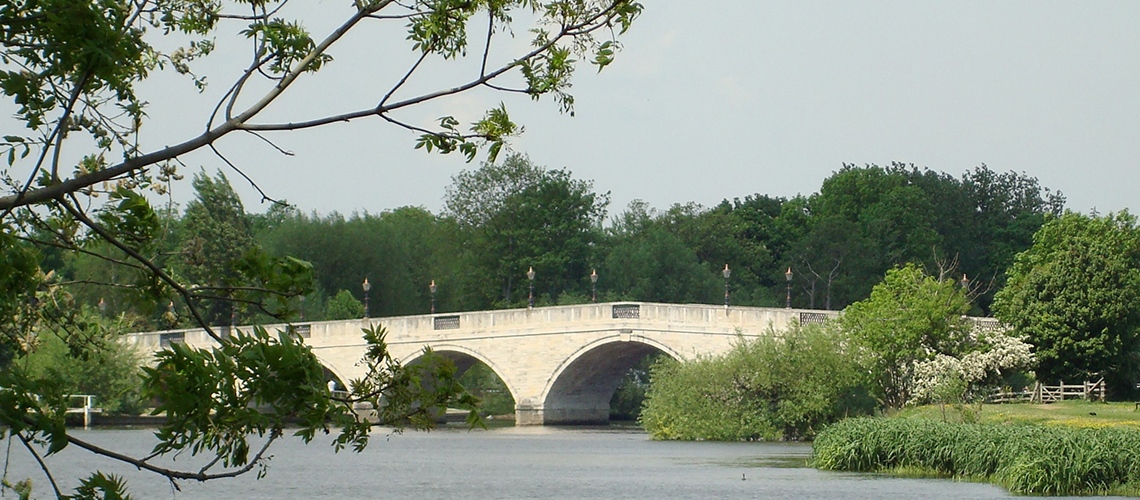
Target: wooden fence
(1091, 391)
(84, 404)
(77, 403)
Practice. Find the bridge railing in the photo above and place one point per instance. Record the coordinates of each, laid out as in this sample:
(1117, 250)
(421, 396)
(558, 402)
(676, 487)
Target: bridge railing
(696, 316)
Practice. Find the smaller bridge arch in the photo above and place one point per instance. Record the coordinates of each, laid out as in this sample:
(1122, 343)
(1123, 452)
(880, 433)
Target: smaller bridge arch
(464, 358)
(331, 369)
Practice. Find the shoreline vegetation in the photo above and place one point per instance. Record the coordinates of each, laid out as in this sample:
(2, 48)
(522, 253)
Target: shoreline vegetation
(856, 384)
(781, 386)
(1059, 449)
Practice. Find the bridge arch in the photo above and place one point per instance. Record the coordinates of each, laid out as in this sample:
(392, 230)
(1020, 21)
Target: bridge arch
(464, 358)
(333, 373)
(580, 389)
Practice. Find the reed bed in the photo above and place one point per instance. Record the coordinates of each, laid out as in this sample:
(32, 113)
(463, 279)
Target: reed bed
(1026, 459)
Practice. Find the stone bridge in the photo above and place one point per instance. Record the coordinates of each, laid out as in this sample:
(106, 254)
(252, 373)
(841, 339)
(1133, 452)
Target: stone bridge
(561, 364)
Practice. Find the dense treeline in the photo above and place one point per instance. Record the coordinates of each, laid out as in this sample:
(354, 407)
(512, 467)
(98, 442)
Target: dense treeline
(502, 219)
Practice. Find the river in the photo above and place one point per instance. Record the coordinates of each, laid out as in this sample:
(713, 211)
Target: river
(504, 463)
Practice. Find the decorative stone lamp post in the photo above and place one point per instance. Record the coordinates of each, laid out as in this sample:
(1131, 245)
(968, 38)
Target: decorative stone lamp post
(727, 272)
(788, 278)
(366, 286)
(432, 287)
(530, 276)
(594, 285)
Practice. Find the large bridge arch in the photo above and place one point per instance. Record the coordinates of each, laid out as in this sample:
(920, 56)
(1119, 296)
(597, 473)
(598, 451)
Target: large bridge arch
(580, 388)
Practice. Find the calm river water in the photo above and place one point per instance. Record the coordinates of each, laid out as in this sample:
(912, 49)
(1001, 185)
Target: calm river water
(507, 463)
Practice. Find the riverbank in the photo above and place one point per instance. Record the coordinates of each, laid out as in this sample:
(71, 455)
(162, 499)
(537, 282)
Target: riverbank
(1025, 458)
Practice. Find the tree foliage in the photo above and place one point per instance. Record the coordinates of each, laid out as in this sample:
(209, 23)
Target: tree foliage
(400, 252)
(19, 277)
(647, 262)
(1074, 294)
(517, 216)
(866, 220)
(343, 305)
(216, 235)
(629, 396)
(494, 397)
(478, 253)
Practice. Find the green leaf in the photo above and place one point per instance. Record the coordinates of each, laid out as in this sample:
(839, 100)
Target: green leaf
(101, 487)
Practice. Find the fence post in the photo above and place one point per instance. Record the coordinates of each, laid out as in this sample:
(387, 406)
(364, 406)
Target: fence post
(87, 412)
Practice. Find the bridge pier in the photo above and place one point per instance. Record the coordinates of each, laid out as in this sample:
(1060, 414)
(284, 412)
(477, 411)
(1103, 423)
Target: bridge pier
(562, 416)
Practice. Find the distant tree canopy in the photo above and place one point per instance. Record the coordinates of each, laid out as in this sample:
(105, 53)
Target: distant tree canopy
(516, 216)
(398, 251)
(504, 218)
(215, 233)
(865, 220)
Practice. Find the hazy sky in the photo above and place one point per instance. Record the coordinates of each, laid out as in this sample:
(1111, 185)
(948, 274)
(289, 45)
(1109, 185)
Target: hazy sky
(728, 98)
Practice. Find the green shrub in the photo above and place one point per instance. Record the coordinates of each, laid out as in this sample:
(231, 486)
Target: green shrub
(1026, 459)
(89, 359)
(779, 386)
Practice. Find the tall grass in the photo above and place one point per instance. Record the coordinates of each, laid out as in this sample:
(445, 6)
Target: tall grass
(1026, 459)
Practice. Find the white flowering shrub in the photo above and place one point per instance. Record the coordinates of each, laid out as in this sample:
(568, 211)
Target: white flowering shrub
(979, 369)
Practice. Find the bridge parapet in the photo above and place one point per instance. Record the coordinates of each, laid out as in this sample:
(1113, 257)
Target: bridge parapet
(425, 329)
(624, 317)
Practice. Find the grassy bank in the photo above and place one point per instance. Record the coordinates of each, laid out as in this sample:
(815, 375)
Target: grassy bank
(1079, 414)
(1024, 458)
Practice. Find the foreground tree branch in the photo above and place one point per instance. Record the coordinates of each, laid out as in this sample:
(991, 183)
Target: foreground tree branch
(605, 15)
(74, 82)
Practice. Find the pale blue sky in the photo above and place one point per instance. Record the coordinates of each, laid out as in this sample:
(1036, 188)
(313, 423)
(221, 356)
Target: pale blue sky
(733, 98)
